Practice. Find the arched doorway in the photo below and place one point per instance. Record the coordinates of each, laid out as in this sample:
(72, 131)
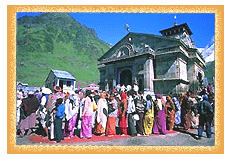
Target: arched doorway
(126, 77)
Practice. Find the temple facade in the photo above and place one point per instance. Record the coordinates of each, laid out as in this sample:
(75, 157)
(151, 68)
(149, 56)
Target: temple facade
(158, 64)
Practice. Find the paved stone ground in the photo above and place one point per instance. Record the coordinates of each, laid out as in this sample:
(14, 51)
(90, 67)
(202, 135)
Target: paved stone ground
(179, 138)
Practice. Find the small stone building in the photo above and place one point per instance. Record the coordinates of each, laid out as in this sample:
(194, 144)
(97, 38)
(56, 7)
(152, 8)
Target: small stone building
(158, 64)
(60, 78)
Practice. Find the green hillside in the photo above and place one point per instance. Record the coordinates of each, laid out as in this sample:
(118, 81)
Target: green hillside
(210, 71)
(56, 41)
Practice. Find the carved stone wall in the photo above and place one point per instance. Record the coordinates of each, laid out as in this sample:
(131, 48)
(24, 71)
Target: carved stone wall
(157, 63)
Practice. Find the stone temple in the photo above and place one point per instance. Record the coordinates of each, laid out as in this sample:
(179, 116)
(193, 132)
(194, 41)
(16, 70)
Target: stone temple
(158, 64)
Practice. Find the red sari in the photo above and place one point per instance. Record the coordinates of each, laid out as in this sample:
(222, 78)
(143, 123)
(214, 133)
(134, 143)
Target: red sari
(122, 119)
(122, 114)
(111, 123)
(185, 112)
(122, 124)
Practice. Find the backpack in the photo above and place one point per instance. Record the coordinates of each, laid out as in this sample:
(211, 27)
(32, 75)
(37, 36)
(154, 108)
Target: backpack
(205, 108)
(47, 98)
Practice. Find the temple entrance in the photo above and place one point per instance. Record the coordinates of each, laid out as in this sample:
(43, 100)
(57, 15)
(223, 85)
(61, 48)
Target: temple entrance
(140, 84)
(126, 77)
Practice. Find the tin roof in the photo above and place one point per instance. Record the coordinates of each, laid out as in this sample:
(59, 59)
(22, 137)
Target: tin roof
(63, 74)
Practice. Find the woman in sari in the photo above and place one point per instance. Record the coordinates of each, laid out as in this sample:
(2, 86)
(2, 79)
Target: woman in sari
(159, 126)
(177, 112)
(102, 113)
(86, 123)
(149, 116)
(71, 111)
(170, 112)
(122, 114)
(112, 114)
(185, 111)
(124, 101)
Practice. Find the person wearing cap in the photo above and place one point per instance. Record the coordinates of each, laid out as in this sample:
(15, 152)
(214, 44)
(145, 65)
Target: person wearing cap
(29, 106)
(206, 113)
(43, 111)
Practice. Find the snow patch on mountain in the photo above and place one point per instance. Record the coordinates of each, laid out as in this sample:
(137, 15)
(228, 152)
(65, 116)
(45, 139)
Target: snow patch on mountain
(209, 51)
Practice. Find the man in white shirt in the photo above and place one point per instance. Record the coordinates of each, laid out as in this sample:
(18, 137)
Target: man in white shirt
(130, 113)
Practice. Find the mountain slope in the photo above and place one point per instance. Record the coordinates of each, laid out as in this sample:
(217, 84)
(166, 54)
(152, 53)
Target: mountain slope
(56, 41)
(209, 55)
(209, 51)
(210, 71)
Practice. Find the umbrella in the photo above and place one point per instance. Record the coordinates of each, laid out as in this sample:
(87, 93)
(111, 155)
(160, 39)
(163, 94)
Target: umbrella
(46, 90)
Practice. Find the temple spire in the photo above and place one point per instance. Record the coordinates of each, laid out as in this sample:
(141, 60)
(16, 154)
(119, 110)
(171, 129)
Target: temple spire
(127, 27)
(175, 18)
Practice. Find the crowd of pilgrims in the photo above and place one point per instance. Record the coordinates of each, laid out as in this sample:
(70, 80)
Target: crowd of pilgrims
(116, 112)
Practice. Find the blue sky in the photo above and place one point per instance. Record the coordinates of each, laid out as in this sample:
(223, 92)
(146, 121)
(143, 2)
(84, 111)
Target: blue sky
(110, 26)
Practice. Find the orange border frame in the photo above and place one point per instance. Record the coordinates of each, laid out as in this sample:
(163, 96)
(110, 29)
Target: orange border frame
(12, 148)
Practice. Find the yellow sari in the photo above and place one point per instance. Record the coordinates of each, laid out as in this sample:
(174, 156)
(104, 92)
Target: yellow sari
(148, 121)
